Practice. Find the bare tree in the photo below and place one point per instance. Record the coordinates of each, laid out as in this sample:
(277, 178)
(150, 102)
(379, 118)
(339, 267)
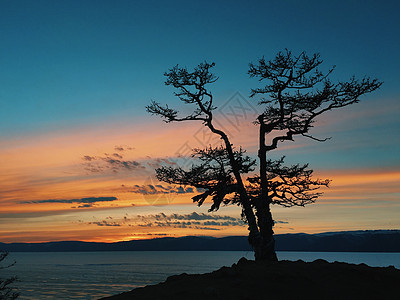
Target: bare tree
(295, 94)
(192, 89)
(6, 291)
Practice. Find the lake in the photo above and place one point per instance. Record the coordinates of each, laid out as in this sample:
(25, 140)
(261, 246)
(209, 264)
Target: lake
(92, 275)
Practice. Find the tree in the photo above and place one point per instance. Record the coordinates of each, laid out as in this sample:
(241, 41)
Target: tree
(7, 292)
(295, 94)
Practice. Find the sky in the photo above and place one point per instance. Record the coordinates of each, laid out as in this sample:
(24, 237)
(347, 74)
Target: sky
(78, 149)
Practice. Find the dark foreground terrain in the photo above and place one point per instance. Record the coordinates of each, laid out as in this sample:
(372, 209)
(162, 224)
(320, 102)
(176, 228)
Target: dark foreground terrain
(280, 280)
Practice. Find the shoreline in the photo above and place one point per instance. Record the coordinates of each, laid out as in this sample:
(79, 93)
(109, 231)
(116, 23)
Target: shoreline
(284, 279)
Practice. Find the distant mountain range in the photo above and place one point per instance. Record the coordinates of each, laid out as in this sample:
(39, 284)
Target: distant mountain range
(347, 241)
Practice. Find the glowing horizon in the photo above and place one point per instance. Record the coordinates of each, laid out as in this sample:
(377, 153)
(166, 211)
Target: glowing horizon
(74, 186)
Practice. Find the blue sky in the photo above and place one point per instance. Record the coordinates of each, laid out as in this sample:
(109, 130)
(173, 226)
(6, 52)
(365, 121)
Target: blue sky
(78, 62)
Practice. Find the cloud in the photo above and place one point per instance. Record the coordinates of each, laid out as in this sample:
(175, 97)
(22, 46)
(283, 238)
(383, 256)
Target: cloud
(157, 234)
(280, 222)
(150, 234)
(86, 202)
(105, 223)
(179, 224)
(151, 189)
(111, 162)
(155, 163)
(191, 216)
(193, 221)
(88, 158)
(202, 216)
(117, 155)
(123, 148)
(118, 164)
(197, 221)
(84, 206)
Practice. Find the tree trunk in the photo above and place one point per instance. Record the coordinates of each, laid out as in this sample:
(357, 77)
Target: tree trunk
(266, 249)
(255, 238)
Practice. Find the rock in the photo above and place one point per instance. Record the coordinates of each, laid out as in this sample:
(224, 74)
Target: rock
(281, 280)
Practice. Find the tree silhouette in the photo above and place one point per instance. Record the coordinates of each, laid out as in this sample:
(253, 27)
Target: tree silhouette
(295, 94)
(6, 291)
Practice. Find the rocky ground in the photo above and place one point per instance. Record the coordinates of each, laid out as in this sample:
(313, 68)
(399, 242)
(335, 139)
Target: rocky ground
(279, 280)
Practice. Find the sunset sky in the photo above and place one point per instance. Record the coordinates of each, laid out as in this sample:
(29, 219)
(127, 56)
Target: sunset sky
(78, 150)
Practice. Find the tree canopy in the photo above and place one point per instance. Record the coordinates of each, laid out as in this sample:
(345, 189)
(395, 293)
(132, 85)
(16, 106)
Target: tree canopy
(294, 94)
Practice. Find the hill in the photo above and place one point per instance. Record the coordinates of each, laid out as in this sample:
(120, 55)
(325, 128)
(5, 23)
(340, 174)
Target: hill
(348, 241)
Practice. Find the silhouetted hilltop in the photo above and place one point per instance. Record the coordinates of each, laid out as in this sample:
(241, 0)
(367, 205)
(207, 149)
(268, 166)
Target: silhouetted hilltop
(277, 280)
(348, 241)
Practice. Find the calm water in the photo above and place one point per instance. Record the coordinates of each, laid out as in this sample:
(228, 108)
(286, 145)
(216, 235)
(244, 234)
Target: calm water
(91, 275)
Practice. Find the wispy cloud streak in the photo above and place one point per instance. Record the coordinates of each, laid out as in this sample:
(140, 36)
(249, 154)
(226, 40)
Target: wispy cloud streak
(193, 221)
(86, 202)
